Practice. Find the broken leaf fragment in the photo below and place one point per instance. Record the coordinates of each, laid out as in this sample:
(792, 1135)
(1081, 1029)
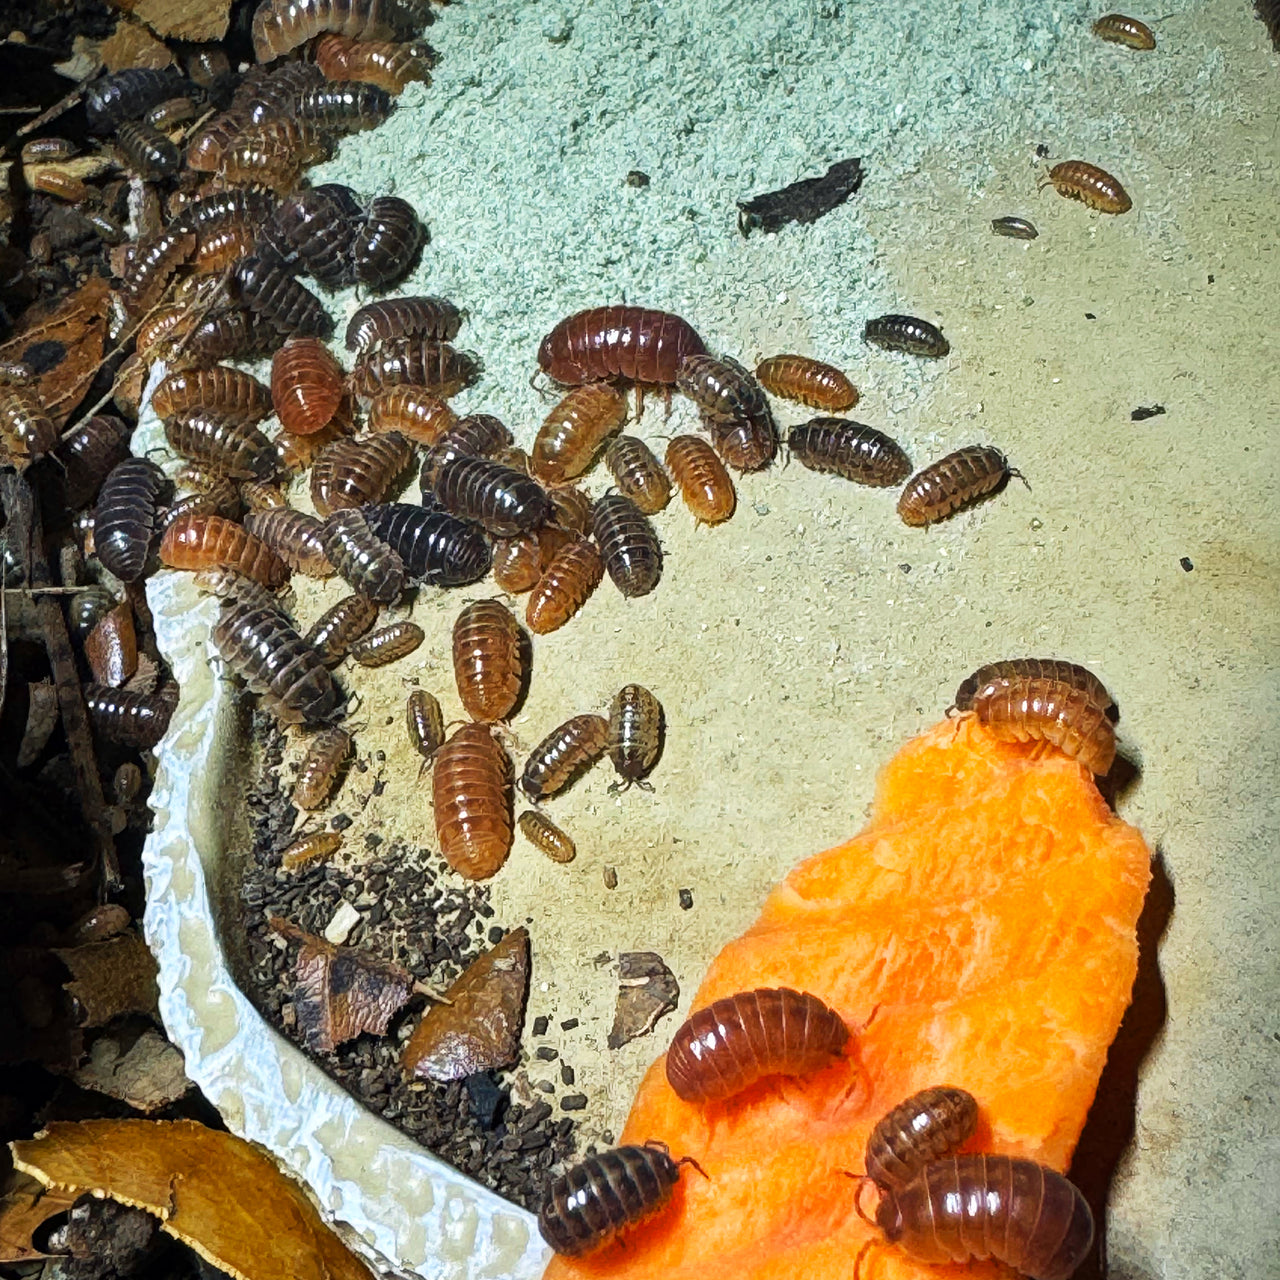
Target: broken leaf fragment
(478, 1028)
(647, 990)
(111, 978)
(24, 1206)
(342, 991)
(147, 1074)
(211, 1190)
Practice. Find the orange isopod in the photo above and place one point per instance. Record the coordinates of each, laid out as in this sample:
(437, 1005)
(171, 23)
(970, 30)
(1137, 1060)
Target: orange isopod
(307, 385)
(196, 542)
(1118, 28)
(414, 412)
(704, 483)
(1040, 710)
(574, 430)
(488, 659)
(564, 587)
(1080, 180)
(471, 796)
(235, 395)
(807, 381)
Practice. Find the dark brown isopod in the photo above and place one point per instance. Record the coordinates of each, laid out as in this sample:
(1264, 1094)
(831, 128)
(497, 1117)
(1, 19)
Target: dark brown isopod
(570, 437)
(1014, 228)
(906, 333)
(195, 542)
(321, 768)
(414, 359)
(638, 474)
(588, 1206)
(628, 544)
(87, 608)
(313, 231)
(990, 1206)
(149, 153)
(233, 449)
(375, 322)
(270, 93)
(471, 797)
(127, 94)
(287, 305)
(125, 518)
(849, 449)
(296, 537)
(564, 586)
(362, 560)
(618, 342)
(567, 752)
(807, 381)
(437, 549)
(953, 482)
(488, 660)
(478, 435)
(386, 63)
(340, 626)
(704, 484)
(543, 834)
(388, 644)
(151, 267)
(344, 106)
(358, 471)
(635, 734)
(1066, 673)
(926, 1126)
(734, 407)
(171, 113)
(1039, 710)
(235, 395)
(505, 501)
(1080, 180)
(1120, 29)
(129, 717)
(425, 722)
(746, 444)
(230, 584)
(89, 453)
(386, 241)
(262, 647)
(231, 333)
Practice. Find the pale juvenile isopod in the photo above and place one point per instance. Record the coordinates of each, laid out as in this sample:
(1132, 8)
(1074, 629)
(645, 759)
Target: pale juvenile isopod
(544, 835)
(1118, 28)
(425, 722)
(704, 484)
(574, 430)
(321, 768)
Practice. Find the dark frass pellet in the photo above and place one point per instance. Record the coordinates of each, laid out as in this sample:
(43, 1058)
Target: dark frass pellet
(610, 878)
(637, 178)
(686, 899)
(495, 935)
(568, 1024)
(1186, 564)
(567, 1075)
(540, 1025)
(547, 1053)
(573, 1102)
(341, 822)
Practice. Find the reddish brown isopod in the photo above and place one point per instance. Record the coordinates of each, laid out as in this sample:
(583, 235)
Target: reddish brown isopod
(261, 495)
(629, 546)
(588, 1206)
(414, 412)
(574, 430)
(488, 659)
(362, 560)
(974, 1207)
(415, 359)
(307, 385)
(849, 449)
(89, 453)
(564, 586)
(220, 249)
(388, 644)
(151, 267)
(543, 834)
(195, 542)
(296, 537)
(953, 482)
(386, 63)
(1080, 180)
(344, 106)
(734, 408)
(125, 517)
(1120, 29)
(704, 484)
(570, 509)
(273, 153)
(235, 395)
(425, 722)
(340, 626)
(130, 717)
(638, 474)
(471, 796)
(321, 768)
(62, 186)
(313, 848)
(1027, 710)
(807, 381)
(926, 1126)
(25, 429)
(236, 450)
(635, 735)
(1066, 673)
(279, 27)
(635, 343)
(391, 318)
(517, 563)
(358, 471)
(567, 752)
(726, 1047)
(159, 335)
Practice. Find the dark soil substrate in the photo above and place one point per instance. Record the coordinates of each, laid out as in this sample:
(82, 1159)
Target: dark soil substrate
(413, 917)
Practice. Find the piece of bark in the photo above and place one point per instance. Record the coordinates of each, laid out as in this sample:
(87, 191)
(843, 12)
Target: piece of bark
(197, 20)
(147, 1074)
(24, 1206)
(42, 719)
(647, 991)
(804, 201)
(132, 45)
(111, 648)
(111, 978)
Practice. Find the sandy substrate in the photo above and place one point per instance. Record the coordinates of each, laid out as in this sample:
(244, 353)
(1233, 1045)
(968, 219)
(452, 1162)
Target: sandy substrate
(796, 647)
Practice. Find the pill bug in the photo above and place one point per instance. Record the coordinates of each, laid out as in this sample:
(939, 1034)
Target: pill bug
(363, 561)
(906, 333)
(849, 449)
(1040, 710)
(564, 586)
(567, 752)
(571, 509)
(704, 483)
(517, 563)
(1070, 674)
(571, 436)
(437, 549)
(1080, 180)
(488, 660)
(129, 717)
(340, 626)
(25, 428)
(386, 241)
(306, 850)
(391, 318)
(158, 336)
(545, 836)
(638, 474)
(953, 482)
(267, 93)
(194, 542)
(233, 449)
(587, 1206)
(208, 145)
(209, 214)
(230, 584)
(321, 768)
(415, 359)
(734, 408)
(974, 1207)
(279, 27)
(261, 495)
(125, 95)
(413, 411)
(726, 1047)
(628, 545)
(388, 64)
(745, 444)
(86, 609)
(307, 385)
(47, 150)
(926, 1126)
(147, 151)
(361, 470)
(1119, 29)
(425, 722)
(807, 381)
(262, 647)
(313, 231)
(471, 797)
(124, 521)
(388, 644)
(151, 268)
(286, 304)
(235, 395)
(634, 343)
(1014, 228)
(635, 735)
(296, 537)
(224, 247)
(503, 500)
(89, 453)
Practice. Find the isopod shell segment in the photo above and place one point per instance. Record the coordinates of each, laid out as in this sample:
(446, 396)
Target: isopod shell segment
(726, 1047)
(705, 485)
(634, 343)
(321, 767)
(990, 1206)
(953, 482)
(1040, 710)
(488, 660)
(543, 834)
(196, 542)
(574, 430)
(635, 733)
(906, 333)
(307, 385)
(471, 796)
(564, 586)
(807, 381)
(1063, 672)
(1118, 28)
(926, 1126)
(128, 716)
(849, 449)
(1080, 180)
(567, 751)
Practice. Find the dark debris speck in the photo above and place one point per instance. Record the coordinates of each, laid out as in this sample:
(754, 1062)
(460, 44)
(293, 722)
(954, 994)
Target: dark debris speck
(573, 1102)
(540, 1024)
(1145, 411)
(1186, 564)
(686, 899)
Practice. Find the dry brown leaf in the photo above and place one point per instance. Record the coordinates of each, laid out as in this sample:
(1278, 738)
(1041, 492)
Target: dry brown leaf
(148, 1075)
(647, 989)
(64, 346)
(211, 1190)
(111, 978)
(478, 1029)
(181, 19)
(132, 45)
(26, 1204)
(342, 991)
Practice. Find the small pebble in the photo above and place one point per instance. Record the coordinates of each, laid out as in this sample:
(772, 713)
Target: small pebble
(637, 178)
(568, 1024)
(338, 930)
(573, 1102)
(341, 822)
